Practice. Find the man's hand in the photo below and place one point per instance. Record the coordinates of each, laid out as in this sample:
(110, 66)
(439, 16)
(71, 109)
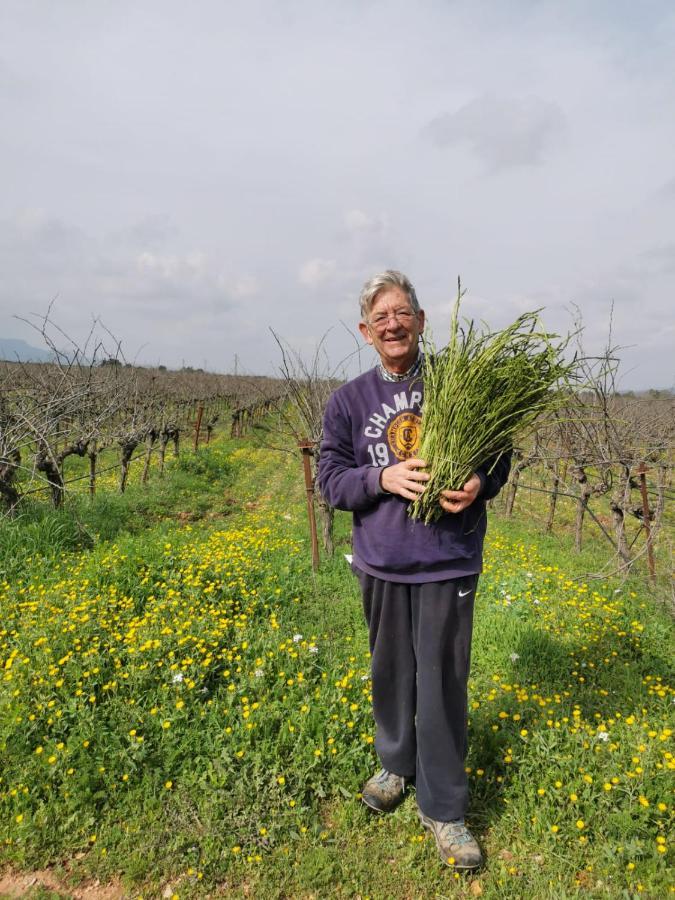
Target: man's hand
(404, 478)
(457, 501)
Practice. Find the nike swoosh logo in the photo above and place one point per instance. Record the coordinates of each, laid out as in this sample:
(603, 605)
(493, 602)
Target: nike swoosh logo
(463, 593)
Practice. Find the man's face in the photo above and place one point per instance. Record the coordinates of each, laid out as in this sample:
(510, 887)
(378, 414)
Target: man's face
(393, 329)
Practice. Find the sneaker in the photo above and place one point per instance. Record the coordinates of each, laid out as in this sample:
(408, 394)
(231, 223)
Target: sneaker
(384, 791)
(457, 846)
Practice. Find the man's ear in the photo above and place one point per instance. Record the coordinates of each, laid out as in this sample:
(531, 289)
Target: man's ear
(421, 320)
(365, 333)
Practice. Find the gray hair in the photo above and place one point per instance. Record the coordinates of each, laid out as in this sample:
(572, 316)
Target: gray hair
(383, 281)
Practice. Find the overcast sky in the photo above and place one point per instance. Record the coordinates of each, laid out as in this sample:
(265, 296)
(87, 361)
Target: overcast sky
(194, 173)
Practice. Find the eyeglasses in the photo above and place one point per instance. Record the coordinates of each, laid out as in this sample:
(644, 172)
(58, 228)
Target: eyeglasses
(401, 316)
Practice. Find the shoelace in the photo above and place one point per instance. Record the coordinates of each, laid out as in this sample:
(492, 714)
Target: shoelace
(456, 833)
(384, 775)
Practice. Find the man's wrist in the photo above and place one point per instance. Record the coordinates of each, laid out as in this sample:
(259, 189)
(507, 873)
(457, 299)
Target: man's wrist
(373, 485)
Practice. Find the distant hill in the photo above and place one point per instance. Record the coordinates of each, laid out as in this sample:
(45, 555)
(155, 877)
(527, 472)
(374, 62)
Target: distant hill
(14, 348)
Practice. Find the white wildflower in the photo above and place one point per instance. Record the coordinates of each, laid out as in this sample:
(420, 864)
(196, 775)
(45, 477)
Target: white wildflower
(603, 736)
(177, 678)
(514, 657)
(297, 638)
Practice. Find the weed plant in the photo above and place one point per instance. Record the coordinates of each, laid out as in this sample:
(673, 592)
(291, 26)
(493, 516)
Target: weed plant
(481, 391)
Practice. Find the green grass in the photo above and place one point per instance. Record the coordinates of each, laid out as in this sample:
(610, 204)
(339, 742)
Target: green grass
(195, 485)
(187, 704)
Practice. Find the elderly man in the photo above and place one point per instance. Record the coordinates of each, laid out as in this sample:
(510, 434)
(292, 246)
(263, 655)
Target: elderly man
(418, 581)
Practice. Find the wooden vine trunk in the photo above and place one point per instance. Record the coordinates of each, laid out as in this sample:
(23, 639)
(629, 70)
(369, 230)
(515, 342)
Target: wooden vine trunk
(585, 491)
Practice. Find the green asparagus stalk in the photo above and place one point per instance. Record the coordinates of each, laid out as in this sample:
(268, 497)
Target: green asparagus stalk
(480, 391)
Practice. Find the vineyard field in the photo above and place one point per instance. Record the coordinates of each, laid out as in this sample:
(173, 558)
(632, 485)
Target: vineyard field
(185, 704)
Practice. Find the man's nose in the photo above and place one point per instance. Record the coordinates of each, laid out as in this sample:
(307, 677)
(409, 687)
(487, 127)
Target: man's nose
(393, 316)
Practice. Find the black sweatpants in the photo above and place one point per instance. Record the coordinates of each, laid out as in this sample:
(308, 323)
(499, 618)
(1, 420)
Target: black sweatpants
(420, 643)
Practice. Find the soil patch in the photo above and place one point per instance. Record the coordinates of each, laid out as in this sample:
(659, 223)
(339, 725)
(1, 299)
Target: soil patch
(24, 884)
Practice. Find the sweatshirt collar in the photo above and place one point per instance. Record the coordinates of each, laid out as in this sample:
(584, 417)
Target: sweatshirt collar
(412, 371)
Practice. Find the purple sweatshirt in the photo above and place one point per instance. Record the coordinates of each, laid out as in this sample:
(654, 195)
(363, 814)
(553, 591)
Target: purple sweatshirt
(370, 423)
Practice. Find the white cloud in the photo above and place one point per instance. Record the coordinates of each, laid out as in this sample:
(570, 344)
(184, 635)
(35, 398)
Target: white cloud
(356, 219)
(246, 286)
(359, 222)
(193, 266)
(660, 258)
(502, 131)
(667, 190)
(317, 271)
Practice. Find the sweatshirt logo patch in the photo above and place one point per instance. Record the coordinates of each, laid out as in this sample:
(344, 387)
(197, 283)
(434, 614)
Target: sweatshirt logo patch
(403, 435)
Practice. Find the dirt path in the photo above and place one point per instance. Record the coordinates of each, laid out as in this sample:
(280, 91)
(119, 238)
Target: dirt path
(24, 884)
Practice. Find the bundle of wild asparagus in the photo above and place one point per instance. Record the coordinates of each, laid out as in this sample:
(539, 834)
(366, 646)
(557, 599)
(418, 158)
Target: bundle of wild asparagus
(481, 391)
